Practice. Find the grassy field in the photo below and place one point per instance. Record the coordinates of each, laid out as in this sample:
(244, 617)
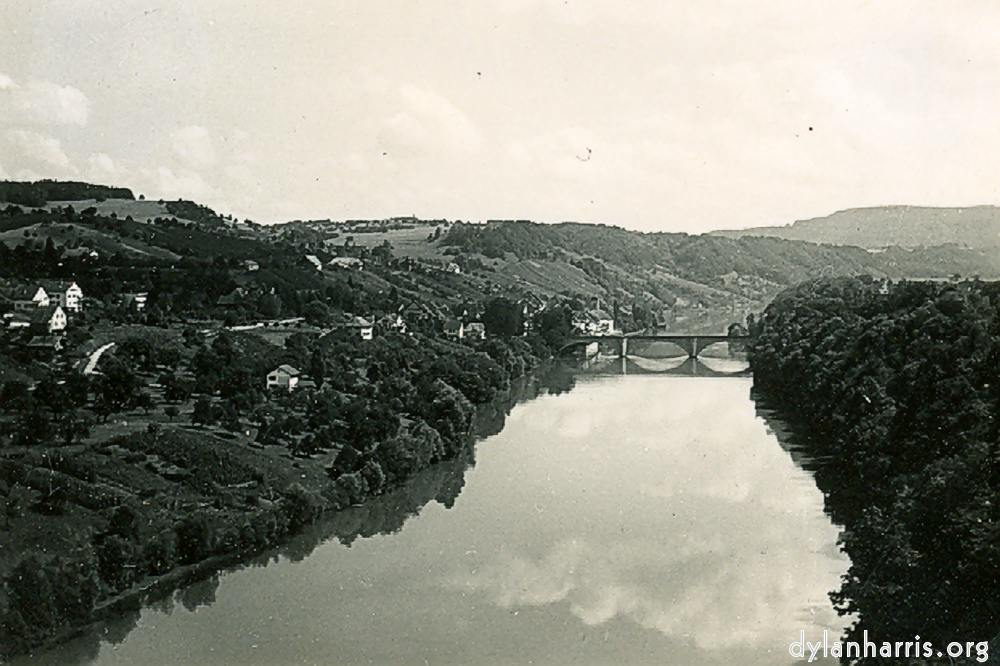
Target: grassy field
(75, 234)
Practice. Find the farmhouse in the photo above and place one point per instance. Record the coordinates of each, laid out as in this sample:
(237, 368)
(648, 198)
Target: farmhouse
(284, 376)
(47, 320)
(476, 330)
(29, 298)
(453, 328)
(364, 327)
(65, 294)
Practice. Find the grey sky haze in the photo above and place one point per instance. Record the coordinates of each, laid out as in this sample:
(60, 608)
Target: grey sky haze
(668, 115)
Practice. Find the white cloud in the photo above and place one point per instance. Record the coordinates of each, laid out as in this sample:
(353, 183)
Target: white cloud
(41, 148)
(193, 144)
(49, 103)
(6, 82)
(101, 168)
(184, 184)
(431, 122)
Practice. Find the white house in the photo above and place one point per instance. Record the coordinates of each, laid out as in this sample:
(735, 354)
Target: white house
(48, 320)
(135, 300)
(284, 376)
(29, 298)
(594, 322)
(347, 262)
(476, 330)
(364, 327)
(65, 294)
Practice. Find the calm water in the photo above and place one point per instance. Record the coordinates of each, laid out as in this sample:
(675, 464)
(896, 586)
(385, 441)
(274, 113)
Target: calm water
(633, 520)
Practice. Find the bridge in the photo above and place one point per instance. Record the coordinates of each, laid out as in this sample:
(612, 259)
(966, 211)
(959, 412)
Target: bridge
(693, 343)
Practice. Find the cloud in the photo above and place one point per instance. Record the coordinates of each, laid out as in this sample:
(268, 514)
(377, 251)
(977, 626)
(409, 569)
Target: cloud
(185, 185)
(102, 168)
(47, 103)
(41, 148)
(703, 530)
(430, 122)
(193, 145)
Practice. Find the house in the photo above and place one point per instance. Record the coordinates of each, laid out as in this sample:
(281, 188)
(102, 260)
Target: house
(393, 322)
(453, 268)
(594, 322)
(29, 298)
(65, 294)
(364, 327)
(347, 262)
(284, 376)
(232, 299)
(52, 343)
(453, 328)
(136, 301)
(17, 320)
(314, 260)
(250, 265)
(47, 320)
(476, 330)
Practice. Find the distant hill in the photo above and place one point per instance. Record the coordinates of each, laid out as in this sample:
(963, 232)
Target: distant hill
(885, 226)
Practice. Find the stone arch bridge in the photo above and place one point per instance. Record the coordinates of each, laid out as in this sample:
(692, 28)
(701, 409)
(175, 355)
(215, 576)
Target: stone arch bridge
(693, 344)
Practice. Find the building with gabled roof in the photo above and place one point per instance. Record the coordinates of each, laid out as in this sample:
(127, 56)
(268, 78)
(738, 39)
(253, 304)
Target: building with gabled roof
(453, 328)
(64, 293)
(476, 330)
(284, 376)
(47, 320)
(29, 297)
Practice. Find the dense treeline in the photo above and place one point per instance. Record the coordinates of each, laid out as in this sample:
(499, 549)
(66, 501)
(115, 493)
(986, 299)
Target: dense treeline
(41, 192)
(897, 386)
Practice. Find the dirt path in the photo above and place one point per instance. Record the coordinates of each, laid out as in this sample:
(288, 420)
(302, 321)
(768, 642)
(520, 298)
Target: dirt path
(95, 357)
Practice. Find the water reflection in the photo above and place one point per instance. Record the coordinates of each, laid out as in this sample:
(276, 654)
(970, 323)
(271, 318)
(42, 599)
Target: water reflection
(677, 522)
(613, 519)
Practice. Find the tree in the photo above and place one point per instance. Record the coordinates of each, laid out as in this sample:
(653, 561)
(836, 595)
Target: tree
(503, 318)
(317, 367)
(269, 306)
(117, 390)
(33, 427)
(145, 402)
(203, 413)
(171, 411)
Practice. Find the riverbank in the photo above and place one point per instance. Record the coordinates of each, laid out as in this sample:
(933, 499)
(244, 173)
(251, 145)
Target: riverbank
(894, 388)
(91, 529)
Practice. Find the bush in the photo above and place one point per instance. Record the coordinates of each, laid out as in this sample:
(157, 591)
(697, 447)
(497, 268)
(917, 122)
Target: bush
(116, 562)
(303, 506)
(193, 539)
(160, 555)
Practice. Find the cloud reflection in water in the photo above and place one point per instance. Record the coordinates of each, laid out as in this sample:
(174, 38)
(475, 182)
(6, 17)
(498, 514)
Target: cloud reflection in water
(701, 528)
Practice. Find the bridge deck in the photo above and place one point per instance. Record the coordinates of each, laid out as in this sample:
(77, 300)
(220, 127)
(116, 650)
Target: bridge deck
(692, 343)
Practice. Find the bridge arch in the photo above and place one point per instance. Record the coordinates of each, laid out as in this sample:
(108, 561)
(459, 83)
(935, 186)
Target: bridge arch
(692, 344)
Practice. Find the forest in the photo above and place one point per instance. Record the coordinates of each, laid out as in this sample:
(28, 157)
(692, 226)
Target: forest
(895, 388)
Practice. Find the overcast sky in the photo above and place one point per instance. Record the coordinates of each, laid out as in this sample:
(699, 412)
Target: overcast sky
(658, 115)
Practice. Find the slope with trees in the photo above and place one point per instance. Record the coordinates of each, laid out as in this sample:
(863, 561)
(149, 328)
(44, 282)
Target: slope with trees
(895, 389)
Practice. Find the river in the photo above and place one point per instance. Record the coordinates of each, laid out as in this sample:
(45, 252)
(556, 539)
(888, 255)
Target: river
(635, 519)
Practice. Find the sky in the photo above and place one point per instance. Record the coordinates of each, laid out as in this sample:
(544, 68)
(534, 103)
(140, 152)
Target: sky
(659, 115)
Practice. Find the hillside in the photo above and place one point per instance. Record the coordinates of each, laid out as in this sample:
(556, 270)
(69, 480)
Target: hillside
(903, 226)
(670, 277)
